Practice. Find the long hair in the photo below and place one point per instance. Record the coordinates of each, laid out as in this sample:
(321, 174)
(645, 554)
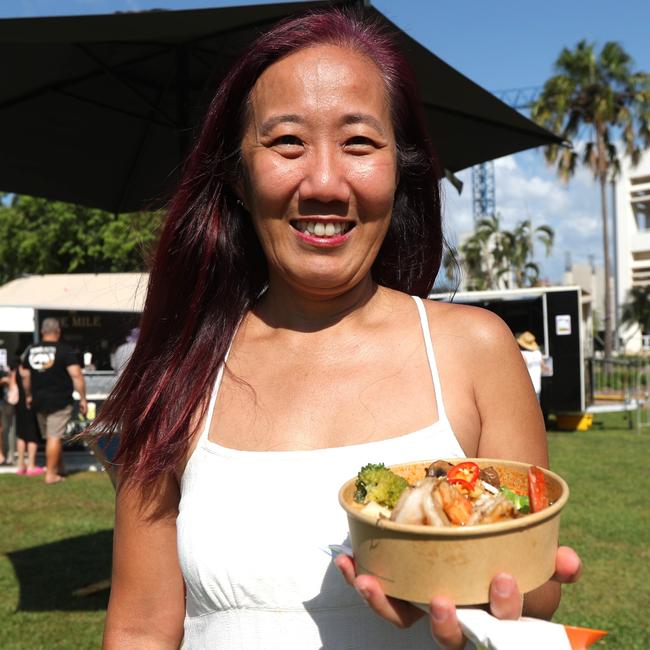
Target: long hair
(209, 267)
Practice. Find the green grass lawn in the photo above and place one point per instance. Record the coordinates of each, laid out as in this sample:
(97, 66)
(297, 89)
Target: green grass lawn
(57, 539)
(607, 520)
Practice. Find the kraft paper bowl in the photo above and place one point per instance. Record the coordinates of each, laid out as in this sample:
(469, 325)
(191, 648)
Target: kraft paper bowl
(416, 563)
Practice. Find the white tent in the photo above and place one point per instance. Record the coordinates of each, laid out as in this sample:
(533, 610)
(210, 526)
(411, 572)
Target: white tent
(113, 292)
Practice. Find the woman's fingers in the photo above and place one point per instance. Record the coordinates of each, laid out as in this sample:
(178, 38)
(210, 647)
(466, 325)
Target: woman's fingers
(568, 565)
(345, 565)
(505, 603)
(397, 612)
(505, 600)
(444, 625)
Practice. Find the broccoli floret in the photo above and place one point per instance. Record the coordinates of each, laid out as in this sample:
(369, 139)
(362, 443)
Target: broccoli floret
(375, 482)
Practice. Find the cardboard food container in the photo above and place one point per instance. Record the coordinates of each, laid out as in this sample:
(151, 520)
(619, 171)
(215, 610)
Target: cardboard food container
(416, 563)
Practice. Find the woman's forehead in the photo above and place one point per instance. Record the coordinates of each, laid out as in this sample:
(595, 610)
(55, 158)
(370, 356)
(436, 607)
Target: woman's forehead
(321, 78)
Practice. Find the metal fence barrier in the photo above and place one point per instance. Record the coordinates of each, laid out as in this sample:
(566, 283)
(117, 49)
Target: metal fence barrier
(621, 385)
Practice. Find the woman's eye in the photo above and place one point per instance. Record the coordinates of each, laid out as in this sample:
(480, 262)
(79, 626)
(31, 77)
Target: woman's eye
(289, 146)
(287, 140)
(359, 144)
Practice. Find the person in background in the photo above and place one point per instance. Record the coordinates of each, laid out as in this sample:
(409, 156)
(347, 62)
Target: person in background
(533, 358)
(27, 433)
(4, 383)
(49, 372)
(123, 352)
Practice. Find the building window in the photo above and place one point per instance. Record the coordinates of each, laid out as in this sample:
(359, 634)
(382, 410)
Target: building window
(641, 211)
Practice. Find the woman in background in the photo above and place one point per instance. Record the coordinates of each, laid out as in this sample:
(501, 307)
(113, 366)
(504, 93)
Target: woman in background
(27, 432)
(533, 359)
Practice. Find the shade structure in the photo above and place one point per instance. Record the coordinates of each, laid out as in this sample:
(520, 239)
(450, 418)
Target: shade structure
(120, 292)
(100, 110)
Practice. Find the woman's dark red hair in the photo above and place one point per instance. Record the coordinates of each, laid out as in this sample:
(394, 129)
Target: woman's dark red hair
(209, 268)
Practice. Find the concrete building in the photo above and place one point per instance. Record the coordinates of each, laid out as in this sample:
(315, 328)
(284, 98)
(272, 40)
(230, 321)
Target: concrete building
(632, 237)
(591, 279)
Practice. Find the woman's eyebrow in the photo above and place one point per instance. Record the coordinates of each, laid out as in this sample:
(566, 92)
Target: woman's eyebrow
(268, 125)
(352, 118)
(364, 118)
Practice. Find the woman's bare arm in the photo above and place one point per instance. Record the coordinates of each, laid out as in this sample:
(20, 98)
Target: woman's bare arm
(509, 425)
(147, 604)
(512, 425)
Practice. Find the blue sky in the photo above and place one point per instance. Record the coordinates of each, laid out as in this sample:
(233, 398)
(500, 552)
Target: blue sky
(501, 44)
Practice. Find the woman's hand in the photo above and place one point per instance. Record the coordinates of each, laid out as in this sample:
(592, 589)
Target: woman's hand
(505, 600)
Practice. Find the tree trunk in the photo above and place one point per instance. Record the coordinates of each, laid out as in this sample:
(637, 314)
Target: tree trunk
(602, 177)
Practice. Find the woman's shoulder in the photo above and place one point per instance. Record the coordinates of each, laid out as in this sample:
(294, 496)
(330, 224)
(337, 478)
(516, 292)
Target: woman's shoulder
(471, 334)
(477, 327)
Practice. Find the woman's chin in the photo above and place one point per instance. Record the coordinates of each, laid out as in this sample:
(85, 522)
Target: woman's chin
(326, 285)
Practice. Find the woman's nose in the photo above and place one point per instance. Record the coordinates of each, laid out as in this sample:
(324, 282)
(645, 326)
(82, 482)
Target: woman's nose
(325, 177)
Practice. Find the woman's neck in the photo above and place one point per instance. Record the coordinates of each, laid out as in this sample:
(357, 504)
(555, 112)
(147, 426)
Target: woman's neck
(282, 306)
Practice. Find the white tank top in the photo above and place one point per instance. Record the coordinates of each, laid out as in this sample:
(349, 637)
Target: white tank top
(253, 535)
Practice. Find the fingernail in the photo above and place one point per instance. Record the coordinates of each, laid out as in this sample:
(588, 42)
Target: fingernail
(503, 586)
(438, 613)
(362, 591)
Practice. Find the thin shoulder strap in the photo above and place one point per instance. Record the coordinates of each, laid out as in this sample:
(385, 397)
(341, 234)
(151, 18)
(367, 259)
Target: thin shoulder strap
(435, 376)
(215, 392)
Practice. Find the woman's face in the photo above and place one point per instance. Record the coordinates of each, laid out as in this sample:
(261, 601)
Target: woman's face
(320, 168)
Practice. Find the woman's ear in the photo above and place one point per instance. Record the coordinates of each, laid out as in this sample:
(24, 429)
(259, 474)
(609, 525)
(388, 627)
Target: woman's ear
(240, 195)
(240, 202)
(239, 186)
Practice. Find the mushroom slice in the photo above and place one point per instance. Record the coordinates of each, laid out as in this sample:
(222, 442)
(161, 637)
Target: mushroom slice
(491, 476)
(438, 468)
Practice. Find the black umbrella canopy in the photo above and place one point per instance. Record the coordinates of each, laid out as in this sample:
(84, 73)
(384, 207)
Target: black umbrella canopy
(99, 110)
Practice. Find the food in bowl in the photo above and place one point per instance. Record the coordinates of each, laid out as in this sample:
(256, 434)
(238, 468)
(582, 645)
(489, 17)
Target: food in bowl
(418, 561)
(450, 494)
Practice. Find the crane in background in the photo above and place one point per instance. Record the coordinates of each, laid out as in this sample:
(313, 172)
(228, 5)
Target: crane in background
(483, 181)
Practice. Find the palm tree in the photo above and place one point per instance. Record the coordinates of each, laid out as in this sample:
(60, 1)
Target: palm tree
(472, 256)
(483, 254)
(448, 282)
(600, 97)
(495, 258)
(636, 309)
(520, 251)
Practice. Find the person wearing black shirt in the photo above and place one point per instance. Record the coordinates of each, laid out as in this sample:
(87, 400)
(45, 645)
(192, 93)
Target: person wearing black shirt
(50, 370)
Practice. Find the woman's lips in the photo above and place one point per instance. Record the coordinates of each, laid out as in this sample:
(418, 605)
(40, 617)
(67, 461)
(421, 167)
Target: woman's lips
(323, 232)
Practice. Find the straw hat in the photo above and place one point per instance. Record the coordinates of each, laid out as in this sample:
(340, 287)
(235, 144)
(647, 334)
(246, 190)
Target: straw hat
(527, 341)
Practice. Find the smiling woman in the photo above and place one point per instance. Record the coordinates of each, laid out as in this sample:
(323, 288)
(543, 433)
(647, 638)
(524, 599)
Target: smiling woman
(285, 343)
(320, 180)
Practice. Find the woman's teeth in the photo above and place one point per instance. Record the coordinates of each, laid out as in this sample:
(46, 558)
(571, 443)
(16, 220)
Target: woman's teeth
(320, 229)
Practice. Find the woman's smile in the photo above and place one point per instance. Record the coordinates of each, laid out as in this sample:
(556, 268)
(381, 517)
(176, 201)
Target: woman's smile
(323, 232)
(320, 167)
